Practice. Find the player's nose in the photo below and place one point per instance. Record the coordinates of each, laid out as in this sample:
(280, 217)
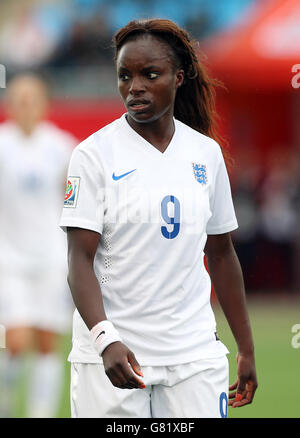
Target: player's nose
(137, 85)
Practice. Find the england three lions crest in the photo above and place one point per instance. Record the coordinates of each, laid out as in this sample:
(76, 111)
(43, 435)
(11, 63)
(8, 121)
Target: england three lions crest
(200, 173)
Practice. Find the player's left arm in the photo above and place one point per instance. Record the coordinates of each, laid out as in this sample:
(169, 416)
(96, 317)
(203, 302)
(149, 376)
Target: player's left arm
(227, 278)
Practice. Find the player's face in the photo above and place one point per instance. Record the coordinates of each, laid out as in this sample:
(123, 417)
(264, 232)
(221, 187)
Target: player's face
(26, 101)
(147, 79)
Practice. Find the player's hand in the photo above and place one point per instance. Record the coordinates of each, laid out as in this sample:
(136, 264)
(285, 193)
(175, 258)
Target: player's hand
(121, 367)
(246, 383)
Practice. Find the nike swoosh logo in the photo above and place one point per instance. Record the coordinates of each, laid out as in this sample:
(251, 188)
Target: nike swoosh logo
(116, 178)
(103, 332)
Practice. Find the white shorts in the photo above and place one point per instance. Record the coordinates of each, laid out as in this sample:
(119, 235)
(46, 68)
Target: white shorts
(41, 300)
(195, 390)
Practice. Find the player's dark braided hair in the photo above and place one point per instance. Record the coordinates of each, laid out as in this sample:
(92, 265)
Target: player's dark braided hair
(195, 99)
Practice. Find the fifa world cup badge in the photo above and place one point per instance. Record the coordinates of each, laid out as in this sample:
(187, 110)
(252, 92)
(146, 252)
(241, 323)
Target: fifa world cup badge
(72, 190)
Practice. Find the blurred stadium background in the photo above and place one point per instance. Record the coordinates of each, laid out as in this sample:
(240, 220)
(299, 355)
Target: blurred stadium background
(253, 47)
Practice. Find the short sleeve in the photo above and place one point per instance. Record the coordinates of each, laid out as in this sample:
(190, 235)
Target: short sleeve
(84, 196)
(223, 219)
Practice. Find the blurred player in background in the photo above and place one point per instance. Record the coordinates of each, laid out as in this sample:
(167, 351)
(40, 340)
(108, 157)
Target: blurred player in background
(34, 304)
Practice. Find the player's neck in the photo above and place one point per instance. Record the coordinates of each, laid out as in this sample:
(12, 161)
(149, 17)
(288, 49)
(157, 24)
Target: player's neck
(27, 128)
(159, 132)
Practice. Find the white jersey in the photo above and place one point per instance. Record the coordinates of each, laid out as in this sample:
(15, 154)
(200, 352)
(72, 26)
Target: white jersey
(32, 174)
(153, 211)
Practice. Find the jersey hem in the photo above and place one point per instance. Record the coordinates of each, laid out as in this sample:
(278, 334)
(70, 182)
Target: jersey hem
(162, 361)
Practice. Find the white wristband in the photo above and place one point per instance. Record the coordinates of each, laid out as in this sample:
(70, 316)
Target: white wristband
(104, 334)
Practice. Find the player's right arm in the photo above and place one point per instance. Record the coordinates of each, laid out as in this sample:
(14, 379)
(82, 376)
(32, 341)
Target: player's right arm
(87, 296)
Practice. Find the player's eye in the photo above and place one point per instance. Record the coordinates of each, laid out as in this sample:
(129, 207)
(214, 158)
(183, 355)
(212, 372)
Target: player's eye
(153, 75)
(123, 77)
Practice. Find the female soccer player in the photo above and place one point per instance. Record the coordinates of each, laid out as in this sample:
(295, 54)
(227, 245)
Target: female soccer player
(147, 196)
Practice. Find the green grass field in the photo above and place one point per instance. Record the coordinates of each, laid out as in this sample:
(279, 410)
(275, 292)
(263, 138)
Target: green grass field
(278, 363)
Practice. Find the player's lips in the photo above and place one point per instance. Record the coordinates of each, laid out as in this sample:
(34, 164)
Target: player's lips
(138, 104)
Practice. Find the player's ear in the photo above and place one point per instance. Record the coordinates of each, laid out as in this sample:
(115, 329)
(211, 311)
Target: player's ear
(179, 77)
